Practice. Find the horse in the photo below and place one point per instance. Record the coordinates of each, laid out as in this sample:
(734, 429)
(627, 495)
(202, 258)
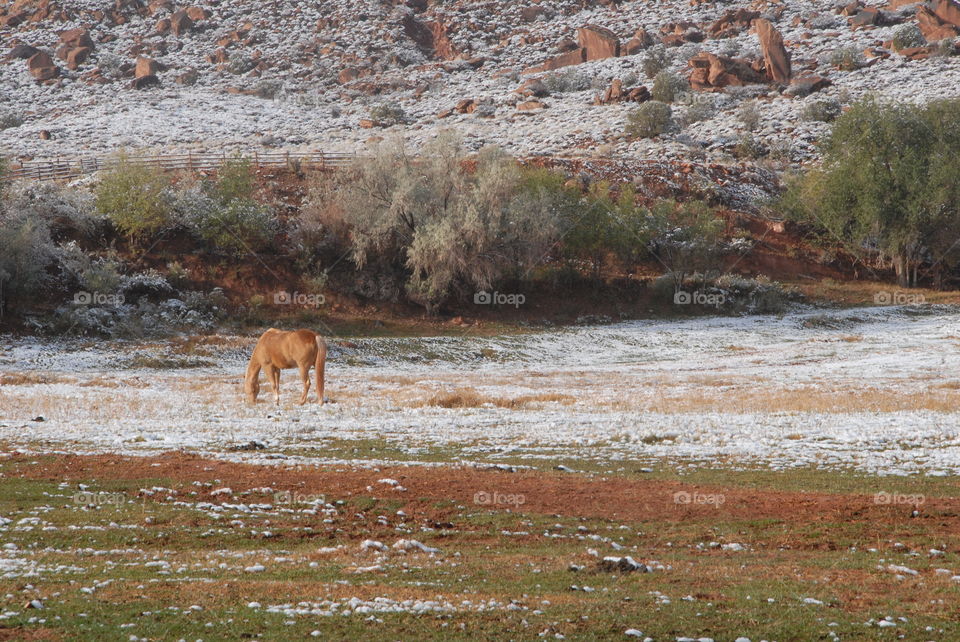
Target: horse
(276, 350)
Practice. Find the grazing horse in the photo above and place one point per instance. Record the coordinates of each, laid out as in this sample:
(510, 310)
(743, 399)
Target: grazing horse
(277, 350)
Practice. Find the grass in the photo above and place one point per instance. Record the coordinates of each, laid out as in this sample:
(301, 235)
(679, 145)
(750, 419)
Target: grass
(704, 591)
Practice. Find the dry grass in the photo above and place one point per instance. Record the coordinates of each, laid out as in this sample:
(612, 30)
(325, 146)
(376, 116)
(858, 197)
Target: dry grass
(804, 399)
(32, 378)
(470, 398)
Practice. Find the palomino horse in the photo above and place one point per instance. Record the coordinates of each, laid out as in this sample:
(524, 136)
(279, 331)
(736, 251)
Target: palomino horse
(277, 350)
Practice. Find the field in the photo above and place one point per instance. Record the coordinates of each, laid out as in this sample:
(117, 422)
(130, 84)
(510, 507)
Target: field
(770, 478)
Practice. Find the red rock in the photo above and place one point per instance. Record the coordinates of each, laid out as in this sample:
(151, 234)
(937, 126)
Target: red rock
(775, 55)
(533, 87)
(530, 105)
(41, 66)
(44, 134)
(599, 42)
(807, 84)
(948, 11)
(714, 72)
(566, 44)
(143, 82)
(14, 19)
(157, 6)
(146, 67)
(78, 56)
(732, 22)
(916, 53)
(180, 22)
(563, 60)
(77, 38)
(933, 28)
(366, 123)
(163, 25)
(197, 13)
(22, 52)
(220, 56)
(466, 106)
(641, 40)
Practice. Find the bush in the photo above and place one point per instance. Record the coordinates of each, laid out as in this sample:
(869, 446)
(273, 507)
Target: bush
(224, 213)
(824, 111)
(447, 227)
(700, 108)
(566, 81)
(91, 274)
(388, 114)
(10, 119)
(667, 86)
(135, 198)
(649, 120)
(656, 60)
(847, 59)
(26, 252)
(240, 63)
(66, 211)
(908, 36)
(749, 115)
(748, 147)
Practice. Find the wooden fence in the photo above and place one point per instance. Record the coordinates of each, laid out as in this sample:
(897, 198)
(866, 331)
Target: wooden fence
(62, 169)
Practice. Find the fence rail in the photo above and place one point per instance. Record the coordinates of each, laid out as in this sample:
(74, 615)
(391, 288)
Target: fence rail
(61, 169)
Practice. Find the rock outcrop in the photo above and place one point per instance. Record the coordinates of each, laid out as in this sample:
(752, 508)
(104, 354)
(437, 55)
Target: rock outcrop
(775, 55)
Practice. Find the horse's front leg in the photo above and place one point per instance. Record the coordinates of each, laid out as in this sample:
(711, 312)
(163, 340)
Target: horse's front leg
(274, 374)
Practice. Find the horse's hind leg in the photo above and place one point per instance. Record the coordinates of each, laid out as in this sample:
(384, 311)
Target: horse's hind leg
(274, 373)
(305, 378)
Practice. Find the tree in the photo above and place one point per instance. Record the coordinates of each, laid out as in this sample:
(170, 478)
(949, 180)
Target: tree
(686, 238)
(889, 183)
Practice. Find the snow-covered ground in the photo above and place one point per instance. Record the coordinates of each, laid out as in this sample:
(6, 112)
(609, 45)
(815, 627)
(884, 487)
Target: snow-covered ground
(691, 392)
(303, 47)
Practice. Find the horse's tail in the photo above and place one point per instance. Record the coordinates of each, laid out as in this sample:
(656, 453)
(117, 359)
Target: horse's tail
(320, 363)
(251, 382)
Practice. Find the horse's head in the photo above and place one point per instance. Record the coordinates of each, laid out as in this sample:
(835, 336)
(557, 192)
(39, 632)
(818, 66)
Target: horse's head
(252, 388)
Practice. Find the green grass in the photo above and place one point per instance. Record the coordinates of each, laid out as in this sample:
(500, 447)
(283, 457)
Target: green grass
(76, 546)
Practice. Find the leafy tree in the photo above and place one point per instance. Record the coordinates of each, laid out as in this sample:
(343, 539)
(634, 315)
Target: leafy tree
(686, 238)
(889, 183)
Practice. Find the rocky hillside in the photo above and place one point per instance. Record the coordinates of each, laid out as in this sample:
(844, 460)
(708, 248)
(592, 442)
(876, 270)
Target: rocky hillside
(751, 79)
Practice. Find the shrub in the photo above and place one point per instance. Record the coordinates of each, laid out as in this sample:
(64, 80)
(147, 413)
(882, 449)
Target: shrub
(65, 210)
(447, 228)
(700, 108)
(847, 59)
(748, 147)
(10, 119)
(667, 86)
(649, 120)
(26, 251)
(224, 213)
(240, 63)
(135, 198)
(908, 36)
(824, 111)
(749, 115)
(92, 274)
(388, 114)
(656, 60)
(566, 81)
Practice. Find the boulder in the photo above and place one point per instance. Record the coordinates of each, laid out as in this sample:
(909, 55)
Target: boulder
(78, 56)
(641, 40)
(143, 82)
(348, 74)
(775, 55)
(711, 72)
(566, 44)
(77, 38)
(530, 105)
(616, 93)
(163, 25)
(180, 22)
(14, 19)
(533, 87)
(41, 66)
(732, 22)
(197, 13)
(948, 11)
(563, 60)
(466, 106)
(598, 42)
(22, 52)
(807, 84)
(934, 28)
(146, 67)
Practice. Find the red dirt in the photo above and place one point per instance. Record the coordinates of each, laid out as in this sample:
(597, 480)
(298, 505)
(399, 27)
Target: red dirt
(545, 493)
